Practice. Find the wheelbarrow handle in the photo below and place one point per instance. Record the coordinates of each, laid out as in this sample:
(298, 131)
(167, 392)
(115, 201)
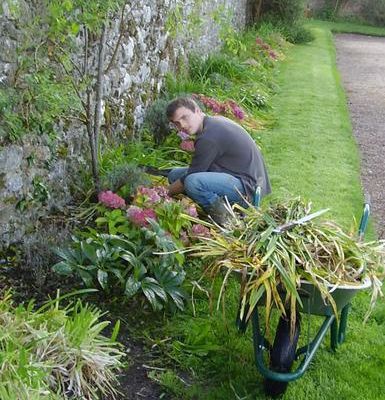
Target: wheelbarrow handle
(364, 220)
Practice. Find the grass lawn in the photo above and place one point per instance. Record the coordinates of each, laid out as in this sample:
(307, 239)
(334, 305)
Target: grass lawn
(309, 152)
(349, 27)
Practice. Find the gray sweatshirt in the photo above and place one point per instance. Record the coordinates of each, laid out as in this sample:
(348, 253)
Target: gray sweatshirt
(224, 146)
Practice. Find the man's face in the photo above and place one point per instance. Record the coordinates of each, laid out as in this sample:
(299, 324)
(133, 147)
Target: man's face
(188, 121)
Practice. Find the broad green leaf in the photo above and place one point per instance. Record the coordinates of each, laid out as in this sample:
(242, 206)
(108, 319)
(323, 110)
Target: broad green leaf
(132, 287)
(89, 251)
(103, 278)
(62, 268)
(86, 277)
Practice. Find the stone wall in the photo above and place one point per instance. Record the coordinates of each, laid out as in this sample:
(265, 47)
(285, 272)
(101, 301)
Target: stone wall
(36, 173)
(348, 9)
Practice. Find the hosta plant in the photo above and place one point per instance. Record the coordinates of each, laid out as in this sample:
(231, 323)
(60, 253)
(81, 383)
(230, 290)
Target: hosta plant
(274, 253)
(128, 266)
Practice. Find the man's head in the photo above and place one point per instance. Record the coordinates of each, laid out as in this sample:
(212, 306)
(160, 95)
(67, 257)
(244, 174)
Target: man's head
(186, 115)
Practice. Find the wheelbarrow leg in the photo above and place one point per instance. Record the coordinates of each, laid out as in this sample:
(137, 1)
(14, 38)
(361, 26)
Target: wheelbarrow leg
(338, 333)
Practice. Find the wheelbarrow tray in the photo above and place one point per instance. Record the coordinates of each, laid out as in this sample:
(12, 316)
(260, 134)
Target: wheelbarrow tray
(313, 303)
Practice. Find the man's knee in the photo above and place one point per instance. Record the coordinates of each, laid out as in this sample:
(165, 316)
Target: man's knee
(192, 182)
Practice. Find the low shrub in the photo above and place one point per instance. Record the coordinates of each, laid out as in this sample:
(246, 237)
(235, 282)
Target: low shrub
(296, 33)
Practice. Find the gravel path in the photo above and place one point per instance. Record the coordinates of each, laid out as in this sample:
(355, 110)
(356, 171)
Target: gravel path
(361, 61)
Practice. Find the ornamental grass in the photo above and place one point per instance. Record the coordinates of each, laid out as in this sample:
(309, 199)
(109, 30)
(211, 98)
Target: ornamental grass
(56, 353)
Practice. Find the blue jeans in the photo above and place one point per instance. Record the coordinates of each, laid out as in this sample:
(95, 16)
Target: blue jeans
(206, 187)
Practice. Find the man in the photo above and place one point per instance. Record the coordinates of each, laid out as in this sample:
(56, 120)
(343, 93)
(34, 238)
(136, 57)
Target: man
(226, 161)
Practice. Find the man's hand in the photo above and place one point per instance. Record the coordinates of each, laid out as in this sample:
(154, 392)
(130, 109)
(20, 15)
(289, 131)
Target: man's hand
(176, 188)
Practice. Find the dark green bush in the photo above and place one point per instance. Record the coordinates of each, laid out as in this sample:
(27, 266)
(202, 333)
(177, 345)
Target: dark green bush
(287, 11)
(296, 33)
(374, 12)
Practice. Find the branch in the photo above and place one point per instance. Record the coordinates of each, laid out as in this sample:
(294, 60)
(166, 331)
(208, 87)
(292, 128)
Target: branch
(110, 64)
(85, 61)
(98, 103)
(84, 105)
(83, 120)
(72, 62)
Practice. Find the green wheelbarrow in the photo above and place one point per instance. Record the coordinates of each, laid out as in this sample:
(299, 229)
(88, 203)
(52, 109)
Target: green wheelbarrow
(283, 351)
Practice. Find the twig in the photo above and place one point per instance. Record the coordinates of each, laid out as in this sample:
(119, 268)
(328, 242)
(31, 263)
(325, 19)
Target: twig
(66, 54)
(117, 42)
(155, 368)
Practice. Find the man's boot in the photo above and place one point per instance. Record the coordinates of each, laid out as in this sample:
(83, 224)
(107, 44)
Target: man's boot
(218, 212)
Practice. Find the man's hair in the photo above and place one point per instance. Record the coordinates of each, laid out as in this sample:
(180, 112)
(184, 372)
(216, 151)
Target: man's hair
(187, 102)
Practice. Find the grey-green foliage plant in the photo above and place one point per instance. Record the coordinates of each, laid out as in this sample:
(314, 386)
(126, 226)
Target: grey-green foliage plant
(128, 175)
(56, 353)
(128, 267)
(156, 122)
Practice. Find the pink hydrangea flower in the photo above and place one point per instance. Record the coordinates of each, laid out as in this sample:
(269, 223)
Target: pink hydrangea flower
(200, 230)
(187, 145)
(150, 194)
(139, 216)
(111, 199)
(192, 211)
(163, 193)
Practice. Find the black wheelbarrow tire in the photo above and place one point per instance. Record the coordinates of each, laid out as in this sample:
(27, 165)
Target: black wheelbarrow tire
(282, 354)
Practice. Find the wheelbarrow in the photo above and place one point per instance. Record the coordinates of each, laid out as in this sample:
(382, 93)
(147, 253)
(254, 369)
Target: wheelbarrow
(283, 352)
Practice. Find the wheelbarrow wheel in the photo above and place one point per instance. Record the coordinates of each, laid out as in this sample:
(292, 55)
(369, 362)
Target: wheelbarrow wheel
(282, 354)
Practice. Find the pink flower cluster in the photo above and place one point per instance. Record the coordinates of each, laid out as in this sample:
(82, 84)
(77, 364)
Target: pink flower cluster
(187, 145)
(192, 211)
(200, 230)
(150, 194)
(148, 204)
(237, 111)
(111, 199)
(217, 107)
(139, 216)
(153, 195)
(267, 48)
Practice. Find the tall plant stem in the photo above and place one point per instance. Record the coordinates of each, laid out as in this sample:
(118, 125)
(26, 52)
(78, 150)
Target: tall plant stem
(98, 109)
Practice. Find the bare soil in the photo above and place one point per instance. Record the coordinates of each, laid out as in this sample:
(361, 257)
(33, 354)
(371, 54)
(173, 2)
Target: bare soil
(361, 62)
